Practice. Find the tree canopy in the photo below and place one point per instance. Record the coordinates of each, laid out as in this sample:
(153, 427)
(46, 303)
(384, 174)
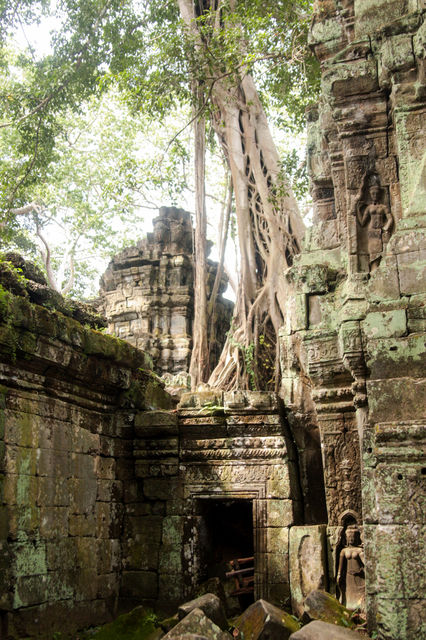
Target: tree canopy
(144, 48)
(206, 55)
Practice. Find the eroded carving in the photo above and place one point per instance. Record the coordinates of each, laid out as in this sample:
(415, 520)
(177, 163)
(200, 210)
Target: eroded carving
(350, 574)
(374, 215)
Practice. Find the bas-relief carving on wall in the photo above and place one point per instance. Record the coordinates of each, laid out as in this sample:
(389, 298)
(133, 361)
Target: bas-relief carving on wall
(350, 571)
(374, 222)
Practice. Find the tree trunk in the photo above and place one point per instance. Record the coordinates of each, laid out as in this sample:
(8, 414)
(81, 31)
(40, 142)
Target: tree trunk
(199, 368)
(269, 227)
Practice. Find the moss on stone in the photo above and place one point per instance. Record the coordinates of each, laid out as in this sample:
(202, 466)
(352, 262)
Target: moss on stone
(139, 624)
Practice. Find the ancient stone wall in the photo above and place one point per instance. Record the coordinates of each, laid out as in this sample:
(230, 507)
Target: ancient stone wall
(228, 447)
(68, 397)
(147, 294)
(353, 351)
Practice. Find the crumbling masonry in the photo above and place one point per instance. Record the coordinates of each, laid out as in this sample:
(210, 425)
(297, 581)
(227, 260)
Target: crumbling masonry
(109, 498)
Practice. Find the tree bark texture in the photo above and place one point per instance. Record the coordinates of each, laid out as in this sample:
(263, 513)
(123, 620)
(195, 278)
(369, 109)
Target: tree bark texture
(199, 365)
(270, 227)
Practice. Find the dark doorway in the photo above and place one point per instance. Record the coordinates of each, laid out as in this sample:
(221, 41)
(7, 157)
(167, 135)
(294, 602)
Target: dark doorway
(226, 537)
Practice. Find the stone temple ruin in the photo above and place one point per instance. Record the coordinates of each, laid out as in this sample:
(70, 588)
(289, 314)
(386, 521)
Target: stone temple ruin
(148, 297)
(110, 498)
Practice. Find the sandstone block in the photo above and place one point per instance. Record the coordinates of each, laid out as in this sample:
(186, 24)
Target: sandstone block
(385, 324)
(140, 553)
(53, 522)
(161, 488)
(308, 568)
(82, 465)
(372, 16)
(108, 554)
(61, 554)
(30, 590)
(321, 605)
(318, 630)
(82, 494)
(400, 617)
(54, 492)
(279, 513)
(264, 621)
(384, 282)
(170, 587)
(281, 482)
(109, 490)
(277, 567)
(170, 561)
(196, 622)
(82, 525)
(172, 531)
(108, 519)
(105, 468)
(139, 584)
(405, 354)
(210, 605)
(398, 556)
(411, 269)
(155, 423)
(277, 539)
(399, 490)
(397, 399)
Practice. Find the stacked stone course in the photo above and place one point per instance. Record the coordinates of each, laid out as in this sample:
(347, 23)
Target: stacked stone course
(68, 397)
(105, 490)
(241, 450)
(358, 325)
(147, 294)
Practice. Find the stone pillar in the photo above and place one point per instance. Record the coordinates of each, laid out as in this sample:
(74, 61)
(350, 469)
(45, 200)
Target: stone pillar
(352, 350)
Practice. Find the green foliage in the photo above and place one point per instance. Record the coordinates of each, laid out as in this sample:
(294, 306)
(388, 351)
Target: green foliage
(146, 50)
(82, 176)
(92, 198)
(212, 409)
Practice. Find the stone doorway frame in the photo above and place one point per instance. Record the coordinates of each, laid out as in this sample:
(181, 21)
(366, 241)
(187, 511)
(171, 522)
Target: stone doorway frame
(256, 494)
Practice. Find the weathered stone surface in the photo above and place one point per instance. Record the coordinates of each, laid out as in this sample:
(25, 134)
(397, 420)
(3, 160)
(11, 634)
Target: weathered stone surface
(209, 604)
(308, 564)
(64, 399)
(318, 630)
(196, 622)
(354, 343)
(263, 620)
(147, 295)
(321, 605)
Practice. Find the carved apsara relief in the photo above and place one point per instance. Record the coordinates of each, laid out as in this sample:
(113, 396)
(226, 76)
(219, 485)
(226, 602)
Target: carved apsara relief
(374, 222)
(351, 565)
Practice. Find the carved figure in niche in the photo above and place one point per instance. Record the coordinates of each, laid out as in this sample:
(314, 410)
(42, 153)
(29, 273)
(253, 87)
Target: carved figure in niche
(350, 574)
(377, 218)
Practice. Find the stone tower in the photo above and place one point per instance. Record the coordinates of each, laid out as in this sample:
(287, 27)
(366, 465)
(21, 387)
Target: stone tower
(147, 294)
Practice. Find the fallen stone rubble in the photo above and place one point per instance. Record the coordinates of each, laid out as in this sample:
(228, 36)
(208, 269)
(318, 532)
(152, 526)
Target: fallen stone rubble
(204, 618)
